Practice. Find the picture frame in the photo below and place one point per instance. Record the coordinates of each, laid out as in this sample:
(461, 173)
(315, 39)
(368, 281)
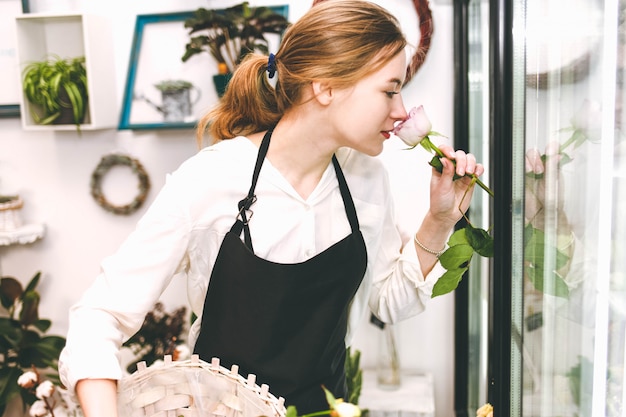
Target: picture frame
(156, 58)
(9, 68)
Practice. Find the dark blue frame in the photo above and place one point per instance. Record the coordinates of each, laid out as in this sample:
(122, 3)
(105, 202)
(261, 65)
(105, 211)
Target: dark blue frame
(140, 24)
(13, 110)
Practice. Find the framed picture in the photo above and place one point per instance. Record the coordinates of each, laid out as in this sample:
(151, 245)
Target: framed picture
(156, 64)
(9, 68)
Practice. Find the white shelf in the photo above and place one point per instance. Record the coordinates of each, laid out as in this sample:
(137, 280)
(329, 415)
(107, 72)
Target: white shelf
(414, 398)
(23, 235)
(70, 36)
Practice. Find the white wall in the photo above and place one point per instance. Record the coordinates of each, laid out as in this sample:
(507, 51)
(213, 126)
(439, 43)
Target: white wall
(52, 171)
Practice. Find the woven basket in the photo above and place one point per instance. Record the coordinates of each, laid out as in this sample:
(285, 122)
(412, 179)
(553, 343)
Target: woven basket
(194, 388)
(10, 218)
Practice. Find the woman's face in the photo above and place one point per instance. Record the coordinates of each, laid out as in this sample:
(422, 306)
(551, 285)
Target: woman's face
(365, 114)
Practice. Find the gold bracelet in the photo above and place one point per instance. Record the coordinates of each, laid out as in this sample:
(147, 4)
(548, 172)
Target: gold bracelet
(432, 252)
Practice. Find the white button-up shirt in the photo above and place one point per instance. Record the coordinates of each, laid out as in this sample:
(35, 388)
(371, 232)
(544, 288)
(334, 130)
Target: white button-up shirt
(183, 229)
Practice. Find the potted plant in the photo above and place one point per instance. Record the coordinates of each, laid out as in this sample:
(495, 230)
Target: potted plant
(56, 88)
(23, 343)
(230, 34)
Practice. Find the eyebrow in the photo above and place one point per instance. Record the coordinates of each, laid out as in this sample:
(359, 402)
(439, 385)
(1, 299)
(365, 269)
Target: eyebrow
(396, 81)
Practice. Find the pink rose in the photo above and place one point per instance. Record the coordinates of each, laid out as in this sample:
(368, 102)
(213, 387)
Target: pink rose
(414, 128)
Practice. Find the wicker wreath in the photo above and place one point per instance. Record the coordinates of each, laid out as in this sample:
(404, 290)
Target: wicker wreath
(106, 163)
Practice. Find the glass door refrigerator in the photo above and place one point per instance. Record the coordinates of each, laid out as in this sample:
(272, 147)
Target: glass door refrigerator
(540, 326)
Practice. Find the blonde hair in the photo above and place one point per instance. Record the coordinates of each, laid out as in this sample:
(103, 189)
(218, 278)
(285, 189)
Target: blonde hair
(337, 42)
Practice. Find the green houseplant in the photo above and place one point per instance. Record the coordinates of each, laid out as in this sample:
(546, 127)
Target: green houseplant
(23, 343)
(56, 88)
(230, 34)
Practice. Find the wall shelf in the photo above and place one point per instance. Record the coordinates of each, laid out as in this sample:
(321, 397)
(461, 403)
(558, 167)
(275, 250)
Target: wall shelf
(69, 36)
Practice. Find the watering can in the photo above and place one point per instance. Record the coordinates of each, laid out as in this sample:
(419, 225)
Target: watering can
(176, 98)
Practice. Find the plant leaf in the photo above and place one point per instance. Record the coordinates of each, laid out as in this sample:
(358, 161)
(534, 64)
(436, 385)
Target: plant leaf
(30, 308)
(448, 281)
(480, 240)
(458, 238)
(457, 256)
(10, 290)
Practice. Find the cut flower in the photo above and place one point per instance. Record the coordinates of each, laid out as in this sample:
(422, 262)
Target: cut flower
(416, 130)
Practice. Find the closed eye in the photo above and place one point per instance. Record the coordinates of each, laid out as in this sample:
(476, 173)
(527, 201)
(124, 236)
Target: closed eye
(390, 94)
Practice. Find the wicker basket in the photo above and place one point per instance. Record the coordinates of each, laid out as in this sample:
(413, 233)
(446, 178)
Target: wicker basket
(194, 388)
(10, 215)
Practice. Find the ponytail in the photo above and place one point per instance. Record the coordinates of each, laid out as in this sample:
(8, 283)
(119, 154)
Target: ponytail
(248, 105)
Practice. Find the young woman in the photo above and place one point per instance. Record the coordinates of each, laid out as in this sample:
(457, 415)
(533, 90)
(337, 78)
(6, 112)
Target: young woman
(284, 226)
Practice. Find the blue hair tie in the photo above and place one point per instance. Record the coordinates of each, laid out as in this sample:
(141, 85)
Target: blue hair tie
(271, 65)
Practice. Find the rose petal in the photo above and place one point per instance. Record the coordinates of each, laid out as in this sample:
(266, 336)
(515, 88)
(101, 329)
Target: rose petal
(414, 128)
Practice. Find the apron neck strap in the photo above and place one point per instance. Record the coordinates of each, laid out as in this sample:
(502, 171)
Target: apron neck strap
(244, 205)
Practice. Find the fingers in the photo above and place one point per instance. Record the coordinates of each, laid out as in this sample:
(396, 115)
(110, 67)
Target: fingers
(465, 162)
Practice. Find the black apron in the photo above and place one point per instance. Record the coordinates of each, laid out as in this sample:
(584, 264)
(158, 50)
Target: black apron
(285, 323)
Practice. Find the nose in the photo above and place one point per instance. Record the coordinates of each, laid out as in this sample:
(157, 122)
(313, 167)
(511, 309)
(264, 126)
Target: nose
(398, 112)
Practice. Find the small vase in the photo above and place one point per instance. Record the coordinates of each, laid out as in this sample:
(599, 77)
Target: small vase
(388, 363)
(388, 370)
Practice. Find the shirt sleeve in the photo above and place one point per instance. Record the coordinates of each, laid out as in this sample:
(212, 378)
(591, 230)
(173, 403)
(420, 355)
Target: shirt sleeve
(129, 284)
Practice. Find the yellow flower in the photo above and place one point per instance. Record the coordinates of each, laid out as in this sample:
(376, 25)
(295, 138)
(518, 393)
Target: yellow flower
(485, 411)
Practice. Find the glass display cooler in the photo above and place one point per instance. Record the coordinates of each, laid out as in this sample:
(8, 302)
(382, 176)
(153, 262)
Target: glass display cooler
(540, 326)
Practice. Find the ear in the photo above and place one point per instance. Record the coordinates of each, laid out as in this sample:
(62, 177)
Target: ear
(322, 92)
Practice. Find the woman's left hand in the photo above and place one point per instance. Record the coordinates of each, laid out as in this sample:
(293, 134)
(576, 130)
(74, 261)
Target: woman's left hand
(450, 198)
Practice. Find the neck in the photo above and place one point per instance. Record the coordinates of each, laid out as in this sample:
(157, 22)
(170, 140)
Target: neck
(299, 151)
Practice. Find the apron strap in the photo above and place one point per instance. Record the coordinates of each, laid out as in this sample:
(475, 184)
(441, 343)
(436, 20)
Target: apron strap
(346, 196)
(245, 204)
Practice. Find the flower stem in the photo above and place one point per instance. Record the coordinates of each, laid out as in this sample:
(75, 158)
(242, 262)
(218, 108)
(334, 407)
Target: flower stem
(431, 147)
(317, 413)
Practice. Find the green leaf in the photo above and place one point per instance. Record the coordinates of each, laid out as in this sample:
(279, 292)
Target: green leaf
(330, 398)
(457, 256)
(480, 240)
(33, 282)
(10, 333)
(10, 290)
(550, 283)
(448, 282)
(291, 411)
(458, 238)
(42, 325)
(8, 385)
(30, 308)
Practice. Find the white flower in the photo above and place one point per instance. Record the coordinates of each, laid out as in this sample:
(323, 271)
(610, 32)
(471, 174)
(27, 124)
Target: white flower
(44, 390)
(414, 128)
(346, 409)
(27, 380)
(182, 352)
(38, 409)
